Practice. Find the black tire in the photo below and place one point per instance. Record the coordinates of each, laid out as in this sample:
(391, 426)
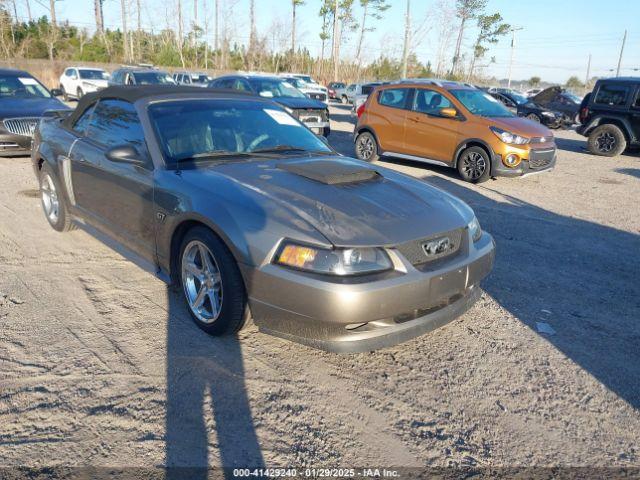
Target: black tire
(474, 165)
(607, 140)
(65, 95)
(533, 117)
(79, 94)
(344, 99)
(366, 147)
(326, 132)
(233, 311)
(61, 221)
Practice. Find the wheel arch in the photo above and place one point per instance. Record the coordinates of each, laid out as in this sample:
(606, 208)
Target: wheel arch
(472, 142)
(620, 122)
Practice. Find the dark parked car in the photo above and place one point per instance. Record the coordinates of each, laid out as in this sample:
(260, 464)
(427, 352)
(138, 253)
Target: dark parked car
(313, 113)
(23, 102)
(610, 116)
(558, 99)
(524, 107)
(140, 76)
(241, 205)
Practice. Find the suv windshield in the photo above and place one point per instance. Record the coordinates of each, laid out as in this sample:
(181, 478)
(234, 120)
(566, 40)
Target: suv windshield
(23, 87)
(153, 78)
(199, 78)
(481, 103)
(518, 98)
(209, 128)
(272, 88)
(93, 75)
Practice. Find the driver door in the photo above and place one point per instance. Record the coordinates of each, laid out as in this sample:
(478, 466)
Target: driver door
(428, 134)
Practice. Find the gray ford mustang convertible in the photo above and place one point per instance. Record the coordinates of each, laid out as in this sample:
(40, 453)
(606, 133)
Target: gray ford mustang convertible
(249, 211)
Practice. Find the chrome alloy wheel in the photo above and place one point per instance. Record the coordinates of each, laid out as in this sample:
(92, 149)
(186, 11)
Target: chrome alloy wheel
(202, 282)
(49, 197)
(605, 142)
(474, 165)
(365, 147)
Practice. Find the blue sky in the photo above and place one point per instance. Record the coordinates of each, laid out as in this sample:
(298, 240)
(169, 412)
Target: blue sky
(555, 42)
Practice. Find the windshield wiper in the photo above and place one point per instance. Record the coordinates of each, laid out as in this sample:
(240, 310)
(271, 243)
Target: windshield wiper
(279, 148)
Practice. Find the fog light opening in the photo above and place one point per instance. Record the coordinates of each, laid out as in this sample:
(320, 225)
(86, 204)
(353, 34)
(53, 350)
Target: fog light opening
(512, 160)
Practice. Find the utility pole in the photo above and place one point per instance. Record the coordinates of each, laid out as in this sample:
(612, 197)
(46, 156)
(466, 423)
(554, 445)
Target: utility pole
(336, 41)
(407, 34)
(624, 39)
(125, 45)
(586, 80)
(513, 47)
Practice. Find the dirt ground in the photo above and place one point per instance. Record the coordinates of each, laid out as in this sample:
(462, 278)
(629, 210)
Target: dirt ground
(101, 365)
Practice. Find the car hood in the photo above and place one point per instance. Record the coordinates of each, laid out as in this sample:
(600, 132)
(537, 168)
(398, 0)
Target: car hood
(299, 102)
(546, 95)
(96, 82)
(521, 126)
(387, 210)
(28, 107)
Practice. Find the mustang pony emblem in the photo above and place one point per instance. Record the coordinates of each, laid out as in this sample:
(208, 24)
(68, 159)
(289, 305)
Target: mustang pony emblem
(437, 246)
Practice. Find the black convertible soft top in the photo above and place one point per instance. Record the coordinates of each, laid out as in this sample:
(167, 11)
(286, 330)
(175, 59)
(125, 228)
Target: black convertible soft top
(133, 93)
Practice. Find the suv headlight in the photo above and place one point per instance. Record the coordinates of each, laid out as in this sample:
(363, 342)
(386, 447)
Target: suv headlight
(508, 137)
(474, 229)
(548, 114)
(338, 261)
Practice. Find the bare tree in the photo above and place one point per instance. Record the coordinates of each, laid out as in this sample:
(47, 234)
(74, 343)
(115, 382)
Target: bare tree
(180, 35)
(407, 38)
(294, 5)
(52, 9)
(466, 10)
(370, 9)
(125, 35)
(97, 7)
(444, 15)
(335, 41)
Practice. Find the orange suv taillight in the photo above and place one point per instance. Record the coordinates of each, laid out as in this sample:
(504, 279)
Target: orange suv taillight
(360, 110)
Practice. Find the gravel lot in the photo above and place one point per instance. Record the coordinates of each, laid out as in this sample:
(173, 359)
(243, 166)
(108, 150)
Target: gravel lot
(101, 365)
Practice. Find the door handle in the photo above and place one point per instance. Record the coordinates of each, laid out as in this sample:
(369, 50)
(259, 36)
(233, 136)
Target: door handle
(413, 119)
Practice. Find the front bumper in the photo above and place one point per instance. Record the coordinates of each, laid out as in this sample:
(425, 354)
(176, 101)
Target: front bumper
(499, 169)
(358, 314)
(14, 145)
(319, 128)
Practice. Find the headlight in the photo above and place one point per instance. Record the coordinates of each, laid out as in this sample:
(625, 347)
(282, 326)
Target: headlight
(548, 114)
(339, 261)
(474, 229)
(508, 137)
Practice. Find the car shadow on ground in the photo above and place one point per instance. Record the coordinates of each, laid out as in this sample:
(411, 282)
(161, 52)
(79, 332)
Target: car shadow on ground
(572, 145)
(633, 172)
(207, 402)
(578, 276)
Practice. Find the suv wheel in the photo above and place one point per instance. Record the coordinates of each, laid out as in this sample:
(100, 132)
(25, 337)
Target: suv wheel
(474, 165)
(212, 286)
(79, 93)
(607, 140)
(53, 203)
(65, 95)
(367, 147)
(533, 117)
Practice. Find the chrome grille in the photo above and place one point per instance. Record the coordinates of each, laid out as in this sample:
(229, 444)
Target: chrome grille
(24, 126)
(318, 96)
(311, 115)
(414, 251)
(540, 158)
(537, 140)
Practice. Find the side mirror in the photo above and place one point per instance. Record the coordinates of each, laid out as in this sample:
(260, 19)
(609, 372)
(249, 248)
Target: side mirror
(56, 92)
(448, 112)
(125, 154)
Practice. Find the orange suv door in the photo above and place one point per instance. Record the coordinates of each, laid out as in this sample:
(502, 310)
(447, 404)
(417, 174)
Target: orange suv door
(429, 134)
(388, 117)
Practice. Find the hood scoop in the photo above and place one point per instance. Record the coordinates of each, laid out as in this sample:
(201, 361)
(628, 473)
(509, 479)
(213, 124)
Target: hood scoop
(331, 172)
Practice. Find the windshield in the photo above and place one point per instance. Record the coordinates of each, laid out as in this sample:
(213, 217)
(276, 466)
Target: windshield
(22, 87)
(209, 128)
(572, 97)
(297, 82)
(306, 78)
(273, 88)
(153, 78)
(367, 89)
(94, 75)
(199, 78)
(481, 103)
(518, 98)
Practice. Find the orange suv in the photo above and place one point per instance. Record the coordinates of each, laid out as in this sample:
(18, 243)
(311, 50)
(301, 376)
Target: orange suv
(454, 125)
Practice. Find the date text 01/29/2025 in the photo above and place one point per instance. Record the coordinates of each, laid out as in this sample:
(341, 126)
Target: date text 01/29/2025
(316, 472)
